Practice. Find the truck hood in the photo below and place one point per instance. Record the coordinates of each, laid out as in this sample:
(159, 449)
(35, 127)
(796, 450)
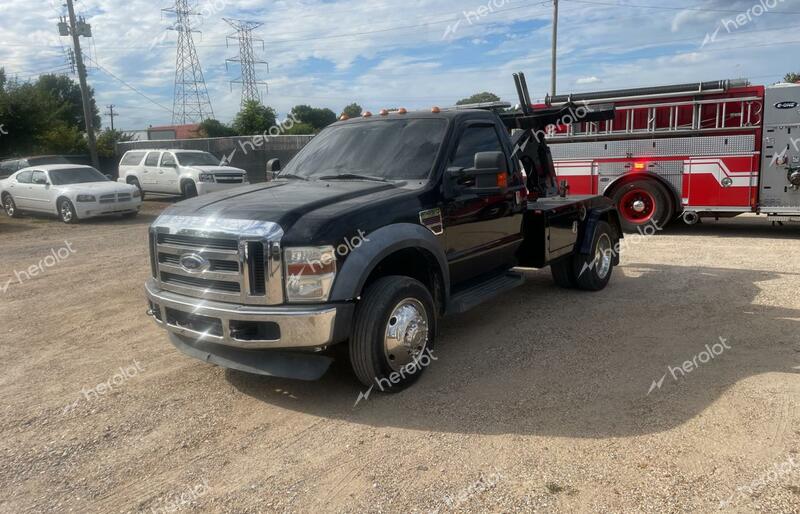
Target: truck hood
(217, 169)
(285, 201)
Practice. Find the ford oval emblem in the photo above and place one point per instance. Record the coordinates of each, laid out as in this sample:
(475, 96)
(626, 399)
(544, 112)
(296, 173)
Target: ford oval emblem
(786, 105)
(194, 263)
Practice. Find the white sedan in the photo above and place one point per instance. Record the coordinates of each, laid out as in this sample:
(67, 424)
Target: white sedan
(70, 191)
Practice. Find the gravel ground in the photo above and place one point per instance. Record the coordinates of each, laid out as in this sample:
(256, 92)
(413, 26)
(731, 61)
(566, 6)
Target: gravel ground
(538, 401)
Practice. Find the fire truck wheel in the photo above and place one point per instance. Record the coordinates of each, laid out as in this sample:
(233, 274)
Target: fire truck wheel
(592, 272)
(642, 203)
(393, 333)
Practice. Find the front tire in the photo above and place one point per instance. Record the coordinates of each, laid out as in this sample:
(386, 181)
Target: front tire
(10, 207)
(393, 333)
(66, 212)
(189, 190)
(135, 182)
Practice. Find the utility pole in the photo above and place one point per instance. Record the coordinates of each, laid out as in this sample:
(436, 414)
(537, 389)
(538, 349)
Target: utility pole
(87, 106)
(555, 49)
(111, 114)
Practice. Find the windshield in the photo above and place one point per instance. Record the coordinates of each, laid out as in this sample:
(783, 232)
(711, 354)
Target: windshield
(196, 159)
(387, 149)
(76, 176)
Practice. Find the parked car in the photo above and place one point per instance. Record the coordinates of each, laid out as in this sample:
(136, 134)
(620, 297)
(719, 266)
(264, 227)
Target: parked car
(182, 172)
(73, 192)
(9, 166)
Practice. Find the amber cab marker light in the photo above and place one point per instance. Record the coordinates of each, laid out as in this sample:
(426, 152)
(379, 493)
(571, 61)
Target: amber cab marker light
(344, 117)
(502, 179)
(384, 112)
(435, 110)
(638, 166)
(367, 114)
(402, 110)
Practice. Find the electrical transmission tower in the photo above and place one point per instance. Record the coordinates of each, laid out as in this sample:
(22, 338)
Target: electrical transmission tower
(246, 58)
(191, 103)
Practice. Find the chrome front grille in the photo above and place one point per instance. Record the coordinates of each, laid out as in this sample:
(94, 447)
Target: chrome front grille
(235, 261)
(228, 178)
(117, 197)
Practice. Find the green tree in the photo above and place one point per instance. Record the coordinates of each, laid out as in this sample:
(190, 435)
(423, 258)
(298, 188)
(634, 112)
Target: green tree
(108, 139)
(479, 98)
(317, 118)
(300, 129)
(253, 119)
(67, 94)
(353, 110)
(215, 128)
(62, 139)
(792, 77)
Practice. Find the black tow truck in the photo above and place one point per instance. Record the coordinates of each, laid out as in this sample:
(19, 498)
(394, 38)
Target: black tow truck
(377, 229)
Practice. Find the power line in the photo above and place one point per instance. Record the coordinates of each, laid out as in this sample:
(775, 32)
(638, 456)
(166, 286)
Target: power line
(132, 88)
(665, 8)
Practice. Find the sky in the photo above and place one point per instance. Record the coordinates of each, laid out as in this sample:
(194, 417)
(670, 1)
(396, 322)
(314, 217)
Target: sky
(413, 54)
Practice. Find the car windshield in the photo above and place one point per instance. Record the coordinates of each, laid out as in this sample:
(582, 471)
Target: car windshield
(76, 176)
(196, 159)
(398, 149)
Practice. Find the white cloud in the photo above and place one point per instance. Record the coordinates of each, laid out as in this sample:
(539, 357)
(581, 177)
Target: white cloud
(587, 80)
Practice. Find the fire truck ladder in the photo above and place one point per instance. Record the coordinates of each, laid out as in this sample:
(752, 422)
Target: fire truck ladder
(689, 117)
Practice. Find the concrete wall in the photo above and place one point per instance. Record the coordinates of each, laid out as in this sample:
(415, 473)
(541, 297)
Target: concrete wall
(246, 155)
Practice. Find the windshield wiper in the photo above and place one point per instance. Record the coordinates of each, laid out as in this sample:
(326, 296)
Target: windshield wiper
(351, 176)
(291, 175)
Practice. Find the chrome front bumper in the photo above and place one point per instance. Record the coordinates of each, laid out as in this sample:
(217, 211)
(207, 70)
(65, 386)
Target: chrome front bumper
(241, 326)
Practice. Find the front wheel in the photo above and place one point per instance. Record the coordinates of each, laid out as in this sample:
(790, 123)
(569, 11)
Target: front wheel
(66, 212)
(641, 203)
(393, 333)
(189, 190)
(10, 207)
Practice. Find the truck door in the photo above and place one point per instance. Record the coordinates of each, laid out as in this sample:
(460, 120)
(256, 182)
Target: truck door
(482, 229)
(150, 172)
(168, 174)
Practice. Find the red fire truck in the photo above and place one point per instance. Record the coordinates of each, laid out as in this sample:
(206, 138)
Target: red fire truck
(710, 149)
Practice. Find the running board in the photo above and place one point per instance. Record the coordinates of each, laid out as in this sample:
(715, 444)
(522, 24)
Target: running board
(484, 291)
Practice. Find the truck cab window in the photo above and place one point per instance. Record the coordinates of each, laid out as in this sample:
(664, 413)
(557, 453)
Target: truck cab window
(473, 140)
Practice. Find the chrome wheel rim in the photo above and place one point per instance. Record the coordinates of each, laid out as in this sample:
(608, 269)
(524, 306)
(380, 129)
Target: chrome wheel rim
(66, 212)
(9, 206)
(406, 334)
(603, 256)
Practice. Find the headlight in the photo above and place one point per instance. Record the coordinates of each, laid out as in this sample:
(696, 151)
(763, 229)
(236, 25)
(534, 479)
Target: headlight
(309, 273)
(86, 198)
(206, 177)
(137, 193)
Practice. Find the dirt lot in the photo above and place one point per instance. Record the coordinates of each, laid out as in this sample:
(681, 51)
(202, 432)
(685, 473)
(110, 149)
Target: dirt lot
(537, 402)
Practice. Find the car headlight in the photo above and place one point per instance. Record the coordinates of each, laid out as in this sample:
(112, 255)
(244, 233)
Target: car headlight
(137, 193)
(86, 198)
(310, 271)
(206, 177)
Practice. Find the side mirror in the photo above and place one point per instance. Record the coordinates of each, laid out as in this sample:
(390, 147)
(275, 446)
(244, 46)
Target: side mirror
(489, 173)
(273, 167)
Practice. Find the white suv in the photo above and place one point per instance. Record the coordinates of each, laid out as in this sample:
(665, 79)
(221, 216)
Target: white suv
(184, 172)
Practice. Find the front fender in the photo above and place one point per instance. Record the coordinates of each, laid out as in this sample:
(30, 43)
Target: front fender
(377, 246)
